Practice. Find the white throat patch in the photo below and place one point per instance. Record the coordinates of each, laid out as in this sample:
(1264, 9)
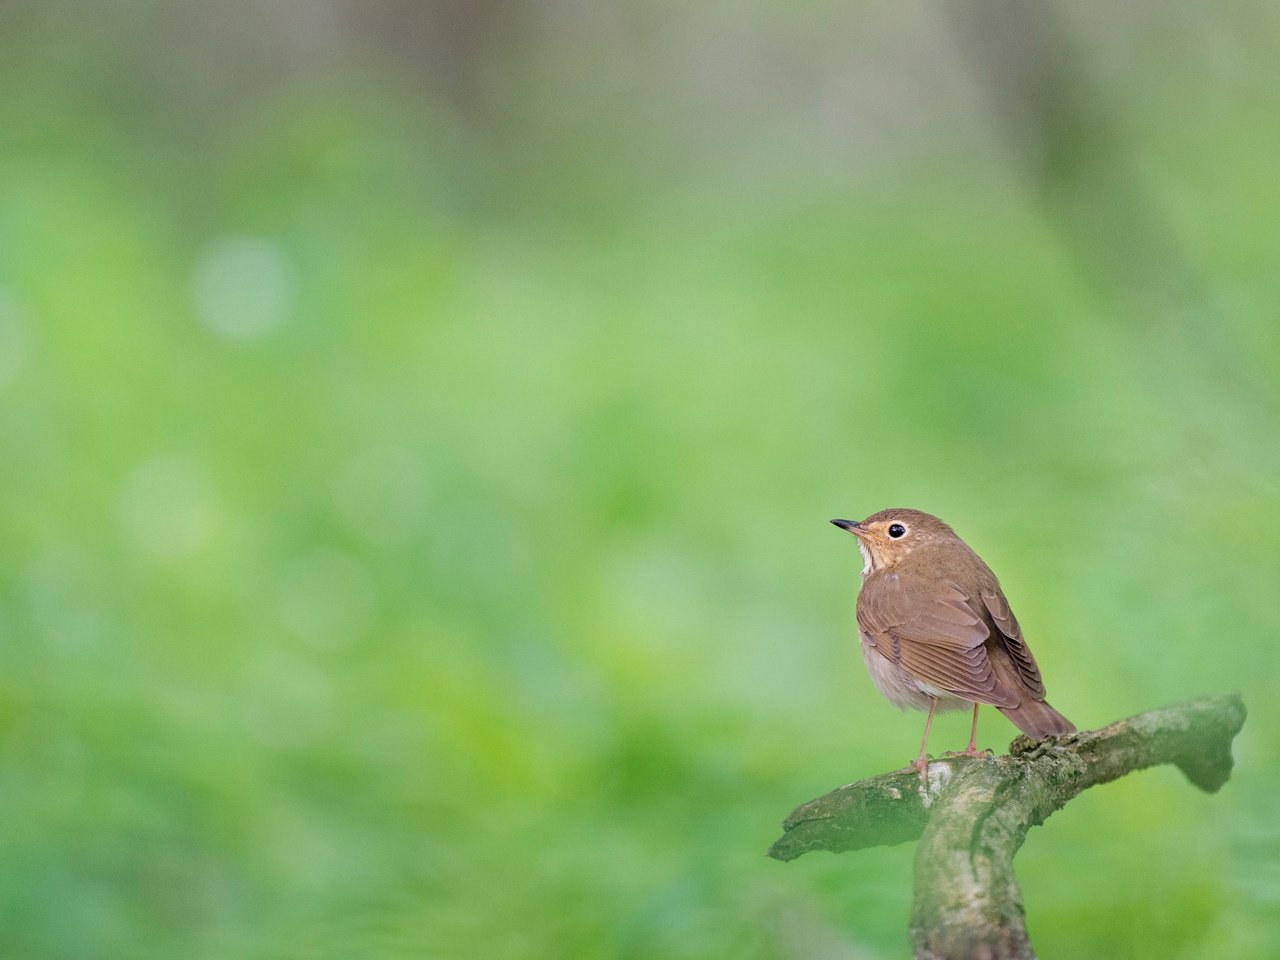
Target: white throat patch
(867, 565)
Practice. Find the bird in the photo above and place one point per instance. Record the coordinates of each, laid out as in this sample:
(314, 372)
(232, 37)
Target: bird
(937, 632)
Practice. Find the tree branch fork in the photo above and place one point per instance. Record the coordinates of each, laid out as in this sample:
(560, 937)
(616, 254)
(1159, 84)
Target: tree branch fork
(972, 815)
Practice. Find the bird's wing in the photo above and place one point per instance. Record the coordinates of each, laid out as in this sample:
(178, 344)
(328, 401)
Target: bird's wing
(1008, 631)
(937, 636)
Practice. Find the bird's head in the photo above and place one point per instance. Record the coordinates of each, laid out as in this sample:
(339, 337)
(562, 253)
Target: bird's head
(887, 537)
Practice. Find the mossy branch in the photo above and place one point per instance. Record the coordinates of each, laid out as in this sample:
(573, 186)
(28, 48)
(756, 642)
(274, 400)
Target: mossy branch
(974, 813)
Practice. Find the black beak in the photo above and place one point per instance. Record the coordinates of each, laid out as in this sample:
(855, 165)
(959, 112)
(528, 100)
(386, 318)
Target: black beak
(852, 526)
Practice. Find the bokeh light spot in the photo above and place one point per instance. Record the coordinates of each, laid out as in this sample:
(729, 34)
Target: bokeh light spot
(244, 288)
(328, 598)
(291, 701)
(168, 506)
(382, 494)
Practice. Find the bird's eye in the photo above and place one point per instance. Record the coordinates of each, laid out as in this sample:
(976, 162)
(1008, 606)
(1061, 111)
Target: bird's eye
(897, 530)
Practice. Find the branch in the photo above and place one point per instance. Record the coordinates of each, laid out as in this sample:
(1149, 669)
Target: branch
(974, 813)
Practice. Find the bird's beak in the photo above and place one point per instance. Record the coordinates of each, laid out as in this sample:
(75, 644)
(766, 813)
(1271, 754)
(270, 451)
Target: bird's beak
(852, 526)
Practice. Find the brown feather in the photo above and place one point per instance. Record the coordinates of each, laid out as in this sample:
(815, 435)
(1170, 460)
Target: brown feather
(1037, 719)
(1007, 625)
(934, 633)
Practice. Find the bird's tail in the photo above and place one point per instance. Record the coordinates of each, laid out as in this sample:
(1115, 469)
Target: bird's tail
(1037, 719)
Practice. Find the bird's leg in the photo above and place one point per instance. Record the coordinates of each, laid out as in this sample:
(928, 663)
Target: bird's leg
(922, 761)
(972, 749)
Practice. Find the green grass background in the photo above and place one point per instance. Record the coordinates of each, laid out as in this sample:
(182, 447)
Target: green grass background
(414, 530)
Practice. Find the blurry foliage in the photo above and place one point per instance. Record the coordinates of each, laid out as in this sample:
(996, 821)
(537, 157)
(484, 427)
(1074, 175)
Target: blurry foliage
(416, 471)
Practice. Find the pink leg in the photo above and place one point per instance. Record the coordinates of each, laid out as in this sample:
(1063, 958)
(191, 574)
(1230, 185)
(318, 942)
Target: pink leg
(922, 762)
(972, 750)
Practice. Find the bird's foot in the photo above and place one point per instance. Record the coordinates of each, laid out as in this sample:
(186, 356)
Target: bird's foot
(970, 751)
(921, 766)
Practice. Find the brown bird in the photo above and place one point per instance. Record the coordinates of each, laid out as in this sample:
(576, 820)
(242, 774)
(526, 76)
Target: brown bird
(937, 632)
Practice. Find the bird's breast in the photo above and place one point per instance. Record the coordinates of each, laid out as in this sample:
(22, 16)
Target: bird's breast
(900, 687)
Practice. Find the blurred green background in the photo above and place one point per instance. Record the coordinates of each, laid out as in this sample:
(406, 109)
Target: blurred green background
(420, 422)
